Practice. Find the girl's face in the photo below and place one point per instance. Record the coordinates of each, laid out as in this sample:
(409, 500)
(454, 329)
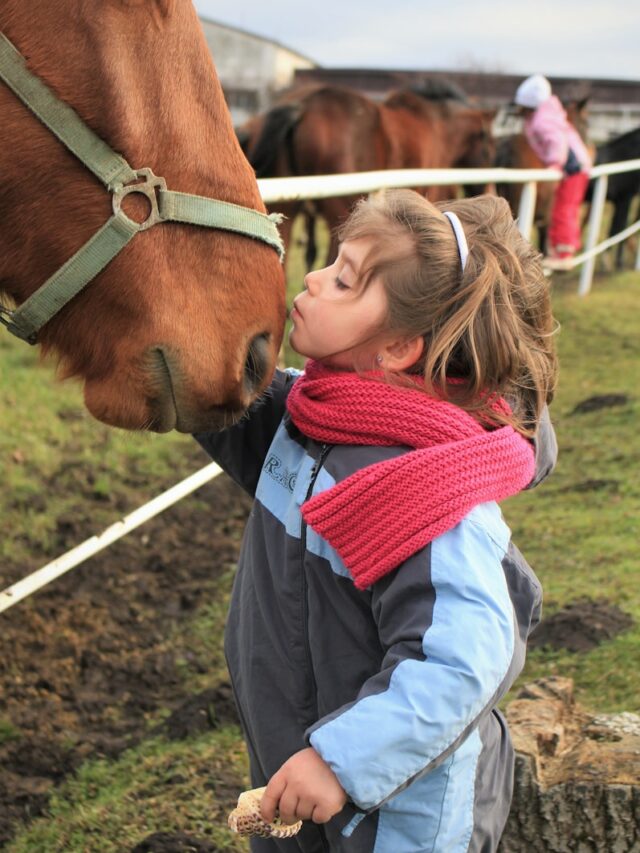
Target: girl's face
(334, 319)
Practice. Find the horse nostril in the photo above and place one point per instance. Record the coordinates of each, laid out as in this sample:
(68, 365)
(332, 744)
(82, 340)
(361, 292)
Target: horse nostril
(257, 363)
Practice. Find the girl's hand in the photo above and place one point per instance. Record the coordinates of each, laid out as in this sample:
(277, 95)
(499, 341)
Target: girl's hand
(304, 788)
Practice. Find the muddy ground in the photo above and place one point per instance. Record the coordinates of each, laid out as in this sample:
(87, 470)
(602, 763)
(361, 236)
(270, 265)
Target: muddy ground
(84, 662)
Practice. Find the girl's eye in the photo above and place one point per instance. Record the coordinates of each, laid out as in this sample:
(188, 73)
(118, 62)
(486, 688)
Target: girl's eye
(341, 285)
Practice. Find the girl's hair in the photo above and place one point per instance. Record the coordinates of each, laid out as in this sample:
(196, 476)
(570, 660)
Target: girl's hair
(488, 329)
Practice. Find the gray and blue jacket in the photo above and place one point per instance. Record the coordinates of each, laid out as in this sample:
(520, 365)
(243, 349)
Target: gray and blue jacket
(394, 686)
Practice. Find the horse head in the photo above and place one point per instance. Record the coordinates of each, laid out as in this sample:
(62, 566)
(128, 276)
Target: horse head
(477, 143)
(182, 328)
(577, 109)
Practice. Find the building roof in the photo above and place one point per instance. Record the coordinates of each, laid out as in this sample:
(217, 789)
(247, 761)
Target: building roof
(207, 20)
(498, 88)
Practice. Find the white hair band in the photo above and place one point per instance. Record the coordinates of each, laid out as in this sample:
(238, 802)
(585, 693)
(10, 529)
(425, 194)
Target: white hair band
(461, 240)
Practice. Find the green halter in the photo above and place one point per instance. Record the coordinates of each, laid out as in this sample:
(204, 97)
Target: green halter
(120, 179)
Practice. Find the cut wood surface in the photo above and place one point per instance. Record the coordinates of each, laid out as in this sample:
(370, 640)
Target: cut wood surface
(577, 777)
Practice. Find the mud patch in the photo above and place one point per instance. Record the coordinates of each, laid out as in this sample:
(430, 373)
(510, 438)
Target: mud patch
(581, 625)
(21, 800)
(201, 713)
(600, 401)
(593, 485)
(87, 660)
(179, 842)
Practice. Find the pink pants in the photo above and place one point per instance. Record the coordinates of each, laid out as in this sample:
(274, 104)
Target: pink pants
(564, 228)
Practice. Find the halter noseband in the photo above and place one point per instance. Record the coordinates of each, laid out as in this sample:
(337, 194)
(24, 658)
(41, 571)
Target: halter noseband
(120, 179)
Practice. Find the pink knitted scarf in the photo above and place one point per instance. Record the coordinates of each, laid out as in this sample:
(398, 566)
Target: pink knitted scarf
(384, 513)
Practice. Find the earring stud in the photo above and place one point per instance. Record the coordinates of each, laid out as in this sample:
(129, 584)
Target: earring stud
(378, 359)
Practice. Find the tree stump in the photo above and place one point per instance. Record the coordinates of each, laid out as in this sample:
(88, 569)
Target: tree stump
(577, 777)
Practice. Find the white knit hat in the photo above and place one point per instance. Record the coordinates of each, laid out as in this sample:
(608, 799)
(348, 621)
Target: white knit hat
(533, 91)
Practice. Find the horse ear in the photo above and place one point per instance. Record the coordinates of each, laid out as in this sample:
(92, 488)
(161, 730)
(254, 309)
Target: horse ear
(582, 103)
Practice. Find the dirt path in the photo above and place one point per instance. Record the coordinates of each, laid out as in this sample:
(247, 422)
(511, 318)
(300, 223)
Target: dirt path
(84, 661)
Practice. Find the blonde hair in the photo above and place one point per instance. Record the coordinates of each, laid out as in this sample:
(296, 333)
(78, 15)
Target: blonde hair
(488, 328)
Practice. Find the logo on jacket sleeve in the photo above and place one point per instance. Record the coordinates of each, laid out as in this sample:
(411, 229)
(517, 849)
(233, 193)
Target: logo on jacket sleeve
(274, 468)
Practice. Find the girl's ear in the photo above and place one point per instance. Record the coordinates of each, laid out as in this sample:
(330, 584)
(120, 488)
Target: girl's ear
(401, 353)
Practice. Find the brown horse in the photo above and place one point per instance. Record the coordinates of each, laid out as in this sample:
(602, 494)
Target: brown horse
(434, 127)
(318, 130)
(333, 130)
(182, 329)
(514, 152)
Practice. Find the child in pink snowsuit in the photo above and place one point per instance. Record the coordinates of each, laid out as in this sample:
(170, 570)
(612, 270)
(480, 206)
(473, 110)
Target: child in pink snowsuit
(558, 144)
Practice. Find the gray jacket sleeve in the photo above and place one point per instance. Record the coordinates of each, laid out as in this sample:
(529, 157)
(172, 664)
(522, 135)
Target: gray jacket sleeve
(240, 450)
(546, 448)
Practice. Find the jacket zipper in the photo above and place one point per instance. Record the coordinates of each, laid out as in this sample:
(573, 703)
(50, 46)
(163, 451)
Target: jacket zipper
(315, 470)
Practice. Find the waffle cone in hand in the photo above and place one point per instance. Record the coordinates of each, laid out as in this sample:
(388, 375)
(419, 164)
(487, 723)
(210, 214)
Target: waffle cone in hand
(246, 819)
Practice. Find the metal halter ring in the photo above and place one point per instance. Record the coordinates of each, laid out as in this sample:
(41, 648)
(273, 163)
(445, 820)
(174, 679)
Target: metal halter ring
(149, 187)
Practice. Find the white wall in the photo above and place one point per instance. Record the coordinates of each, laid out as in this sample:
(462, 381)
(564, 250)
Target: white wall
(250, 68)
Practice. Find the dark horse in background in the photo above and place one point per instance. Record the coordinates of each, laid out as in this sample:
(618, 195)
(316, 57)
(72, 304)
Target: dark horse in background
(622, 188)
(323, 130)
(514, 152)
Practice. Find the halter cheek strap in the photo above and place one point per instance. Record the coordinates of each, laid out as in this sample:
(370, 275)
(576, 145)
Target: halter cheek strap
(120, 179)
(461, 240)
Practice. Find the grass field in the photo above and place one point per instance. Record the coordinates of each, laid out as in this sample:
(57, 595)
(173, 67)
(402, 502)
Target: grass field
(580, 531)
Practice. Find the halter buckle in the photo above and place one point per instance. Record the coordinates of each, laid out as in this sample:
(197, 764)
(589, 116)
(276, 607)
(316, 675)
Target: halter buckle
(149, 186)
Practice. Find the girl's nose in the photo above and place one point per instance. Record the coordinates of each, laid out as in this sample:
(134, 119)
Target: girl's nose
(310, 281)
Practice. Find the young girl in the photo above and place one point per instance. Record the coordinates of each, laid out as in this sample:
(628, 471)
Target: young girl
(380, 611)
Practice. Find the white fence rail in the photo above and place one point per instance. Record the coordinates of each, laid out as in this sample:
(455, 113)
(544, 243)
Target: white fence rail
(276, 190)
(15, 593)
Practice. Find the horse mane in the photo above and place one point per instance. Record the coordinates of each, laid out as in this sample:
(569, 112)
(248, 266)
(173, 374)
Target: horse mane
(436, 89)
(441, 95)
(407, 99)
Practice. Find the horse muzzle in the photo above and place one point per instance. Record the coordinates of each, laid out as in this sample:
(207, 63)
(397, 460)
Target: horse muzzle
(193, 403)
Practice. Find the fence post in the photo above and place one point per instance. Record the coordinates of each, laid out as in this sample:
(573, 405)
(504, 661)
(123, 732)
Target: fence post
(527, 209)
(593, 232)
